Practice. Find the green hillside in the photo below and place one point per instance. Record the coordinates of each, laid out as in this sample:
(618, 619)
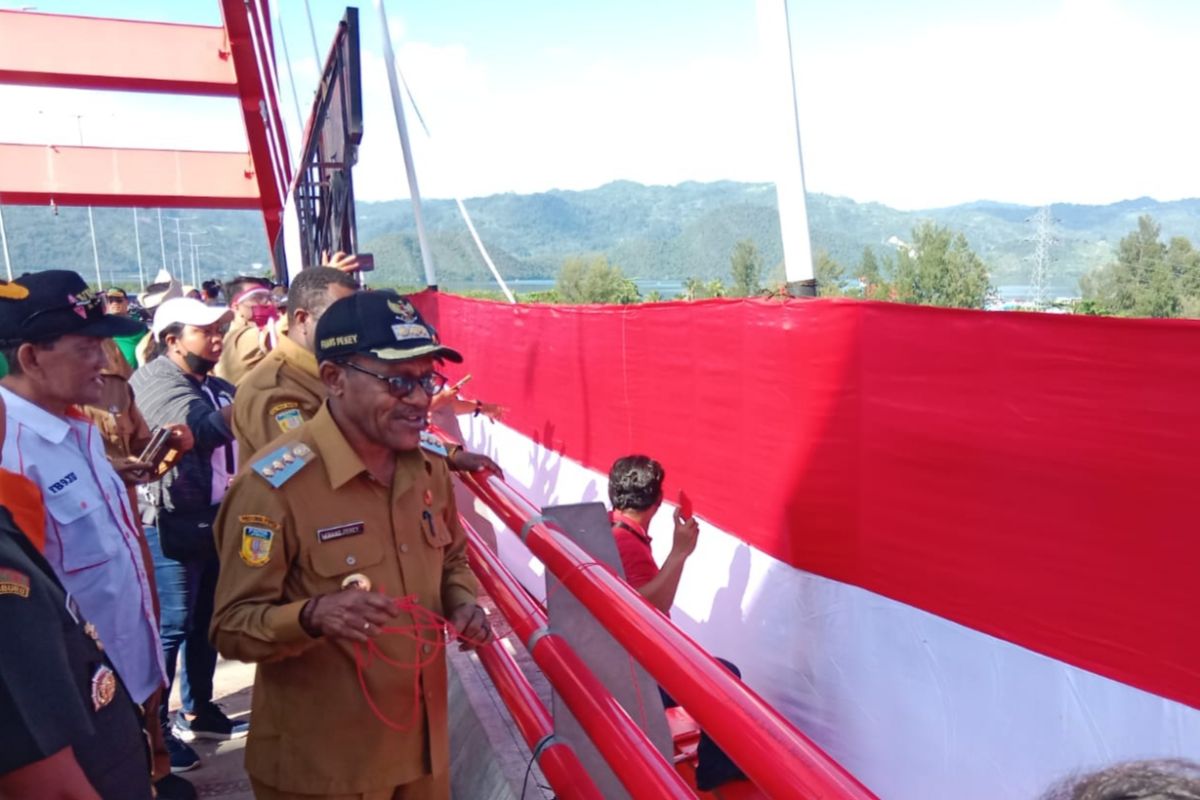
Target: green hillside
(668, 232)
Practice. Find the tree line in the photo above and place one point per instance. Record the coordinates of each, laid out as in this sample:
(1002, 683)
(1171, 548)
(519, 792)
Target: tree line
(937, 267)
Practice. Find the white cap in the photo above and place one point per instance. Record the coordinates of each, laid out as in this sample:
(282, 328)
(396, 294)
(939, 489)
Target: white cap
(187, 311)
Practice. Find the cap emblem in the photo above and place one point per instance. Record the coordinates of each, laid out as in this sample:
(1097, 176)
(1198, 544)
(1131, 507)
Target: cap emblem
(403, 309)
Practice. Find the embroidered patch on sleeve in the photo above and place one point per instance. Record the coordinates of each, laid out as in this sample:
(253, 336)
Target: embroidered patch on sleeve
(14, 582)
(287, 415)
(258, 534)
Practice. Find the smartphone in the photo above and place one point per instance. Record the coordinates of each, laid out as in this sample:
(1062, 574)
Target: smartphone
(685, 506)
(157, 448)
(460, 384)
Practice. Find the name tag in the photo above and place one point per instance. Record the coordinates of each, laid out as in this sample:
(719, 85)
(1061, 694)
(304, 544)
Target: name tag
(62, 483)
(340, 531)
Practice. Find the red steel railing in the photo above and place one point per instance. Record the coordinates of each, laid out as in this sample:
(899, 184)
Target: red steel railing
(636, 762)
(558, 761)
(776, 756)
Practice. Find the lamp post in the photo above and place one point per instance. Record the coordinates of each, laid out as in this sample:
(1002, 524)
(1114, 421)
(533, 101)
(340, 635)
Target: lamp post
(91, 219)
(137, 243)
(4, 242)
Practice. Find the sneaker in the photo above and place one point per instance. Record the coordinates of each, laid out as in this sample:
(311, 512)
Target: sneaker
(183, 758)
(173, 787)
(210, 722)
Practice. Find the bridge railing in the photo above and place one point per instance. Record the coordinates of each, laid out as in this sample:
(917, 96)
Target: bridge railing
(777, 757)
(634, 760)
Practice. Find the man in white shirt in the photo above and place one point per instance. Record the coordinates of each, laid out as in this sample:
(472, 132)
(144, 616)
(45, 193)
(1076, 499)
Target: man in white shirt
(51, 338)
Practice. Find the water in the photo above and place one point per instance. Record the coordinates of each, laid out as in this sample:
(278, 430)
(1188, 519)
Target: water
(666, 288)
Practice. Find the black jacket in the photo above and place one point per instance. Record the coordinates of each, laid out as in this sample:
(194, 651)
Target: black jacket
(167, 395)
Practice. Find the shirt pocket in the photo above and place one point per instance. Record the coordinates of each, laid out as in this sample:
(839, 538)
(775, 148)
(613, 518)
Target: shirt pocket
(335, 559)
(436, 531)
(85, 542)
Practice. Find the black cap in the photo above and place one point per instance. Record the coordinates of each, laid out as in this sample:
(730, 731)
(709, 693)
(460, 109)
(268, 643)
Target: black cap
(381, 324)
(55, 303)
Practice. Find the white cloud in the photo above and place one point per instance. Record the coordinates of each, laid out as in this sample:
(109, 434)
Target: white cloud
(1086, 102)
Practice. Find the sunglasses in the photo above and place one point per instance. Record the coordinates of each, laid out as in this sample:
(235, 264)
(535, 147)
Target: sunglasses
(403, 385)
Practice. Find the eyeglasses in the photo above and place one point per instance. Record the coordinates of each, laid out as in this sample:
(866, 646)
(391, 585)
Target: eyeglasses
(85, 304)
(403, 385)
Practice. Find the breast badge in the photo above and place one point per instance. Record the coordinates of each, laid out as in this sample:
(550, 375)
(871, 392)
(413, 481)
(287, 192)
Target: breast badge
(357, 581)
(104, 687)
(258, 534)
(14, 582)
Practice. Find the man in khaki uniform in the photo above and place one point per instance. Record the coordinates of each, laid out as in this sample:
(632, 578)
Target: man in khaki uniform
(245, 344)
(285, 389)
(346, 502)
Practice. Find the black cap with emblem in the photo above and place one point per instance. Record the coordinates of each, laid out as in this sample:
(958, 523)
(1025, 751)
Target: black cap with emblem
(380, 324)
(45, 305)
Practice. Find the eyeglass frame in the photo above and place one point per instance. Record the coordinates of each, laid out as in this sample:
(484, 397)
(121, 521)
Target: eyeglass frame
(396, 383)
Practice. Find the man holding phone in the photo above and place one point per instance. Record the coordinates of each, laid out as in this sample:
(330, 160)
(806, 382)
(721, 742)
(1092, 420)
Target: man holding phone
(635, 488)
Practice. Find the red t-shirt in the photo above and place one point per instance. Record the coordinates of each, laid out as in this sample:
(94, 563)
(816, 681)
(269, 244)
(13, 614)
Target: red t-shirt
(633, 546)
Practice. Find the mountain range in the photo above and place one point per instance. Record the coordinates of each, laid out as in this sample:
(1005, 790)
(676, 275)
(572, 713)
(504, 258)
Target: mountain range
(651, 232)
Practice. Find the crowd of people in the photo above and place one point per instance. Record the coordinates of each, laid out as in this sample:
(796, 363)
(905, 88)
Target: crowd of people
(201, 472)
(228, 471)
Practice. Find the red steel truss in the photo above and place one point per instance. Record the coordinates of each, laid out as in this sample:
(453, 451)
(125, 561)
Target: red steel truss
(234, 60)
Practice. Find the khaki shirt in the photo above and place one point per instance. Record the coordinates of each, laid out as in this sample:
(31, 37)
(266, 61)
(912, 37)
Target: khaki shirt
(242, 350)
(313, 731)
(276, 396)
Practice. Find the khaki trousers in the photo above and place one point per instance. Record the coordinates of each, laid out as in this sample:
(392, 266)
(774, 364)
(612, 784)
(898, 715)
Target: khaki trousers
(430, 787)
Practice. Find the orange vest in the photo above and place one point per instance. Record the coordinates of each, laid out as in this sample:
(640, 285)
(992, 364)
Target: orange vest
(23, 499)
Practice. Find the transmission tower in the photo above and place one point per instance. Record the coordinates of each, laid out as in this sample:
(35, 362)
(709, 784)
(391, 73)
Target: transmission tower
(1043, 242)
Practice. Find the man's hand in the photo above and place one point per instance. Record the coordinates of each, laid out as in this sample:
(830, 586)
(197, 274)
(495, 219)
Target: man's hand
(686, 534)
(132, 471)
(346, 262)
(349, 614)
(493, 411)
(464, 461)
(181, 437)
(472, 625)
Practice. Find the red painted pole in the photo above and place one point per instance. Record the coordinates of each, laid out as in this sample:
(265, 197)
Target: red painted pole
(637, 764)
(558, 761)
(776, 756)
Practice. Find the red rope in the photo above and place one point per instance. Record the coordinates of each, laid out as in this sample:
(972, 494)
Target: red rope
(428, 621)
(424, 620)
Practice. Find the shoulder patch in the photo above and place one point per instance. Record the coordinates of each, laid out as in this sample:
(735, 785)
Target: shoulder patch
(14, 582)
(281, 464)
(258, 534)
(287, 416)
(433, 444)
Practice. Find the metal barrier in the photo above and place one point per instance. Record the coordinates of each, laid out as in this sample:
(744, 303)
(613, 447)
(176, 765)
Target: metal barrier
(776, 756)
(558, 761)
(637, 764)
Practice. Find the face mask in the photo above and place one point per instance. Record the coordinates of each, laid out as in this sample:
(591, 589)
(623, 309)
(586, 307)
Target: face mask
(198, 365)
(264, 313)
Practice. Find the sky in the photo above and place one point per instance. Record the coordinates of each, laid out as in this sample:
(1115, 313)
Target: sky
(914, 104)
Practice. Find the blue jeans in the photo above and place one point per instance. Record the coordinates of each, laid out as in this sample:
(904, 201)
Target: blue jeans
(185, 595)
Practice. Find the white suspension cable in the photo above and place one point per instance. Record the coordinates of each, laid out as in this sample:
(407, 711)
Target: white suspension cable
(389, 60)
(287, 62)
(282, 179)
(312, 31)
(487, 258)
